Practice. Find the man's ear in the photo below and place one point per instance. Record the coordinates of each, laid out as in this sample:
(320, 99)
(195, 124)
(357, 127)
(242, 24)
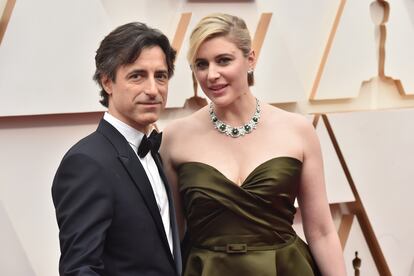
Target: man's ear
(107, 84)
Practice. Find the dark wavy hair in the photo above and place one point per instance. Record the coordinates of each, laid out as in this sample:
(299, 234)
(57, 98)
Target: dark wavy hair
(123, 46)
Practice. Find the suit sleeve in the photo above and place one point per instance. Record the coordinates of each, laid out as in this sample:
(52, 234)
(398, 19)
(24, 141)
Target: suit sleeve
(83, 200)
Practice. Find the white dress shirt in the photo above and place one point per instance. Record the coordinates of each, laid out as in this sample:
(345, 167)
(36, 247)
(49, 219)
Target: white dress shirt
(134, 138)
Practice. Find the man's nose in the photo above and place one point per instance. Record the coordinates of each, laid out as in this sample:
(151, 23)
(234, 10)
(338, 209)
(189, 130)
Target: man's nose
(151, 87)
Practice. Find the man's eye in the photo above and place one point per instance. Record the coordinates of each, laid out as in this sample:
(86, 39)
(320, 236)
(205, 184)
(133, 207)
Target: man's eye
(162, 77)
(134, 76)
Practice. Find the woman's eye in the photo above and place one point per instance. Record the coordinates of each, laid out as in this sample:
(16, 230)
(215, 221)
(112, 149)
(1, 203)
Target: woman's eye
(224, 61)
(201, 65)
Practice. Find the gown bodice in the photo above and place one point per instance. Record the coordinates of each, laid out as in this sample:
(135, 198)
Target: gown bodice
(243, 229)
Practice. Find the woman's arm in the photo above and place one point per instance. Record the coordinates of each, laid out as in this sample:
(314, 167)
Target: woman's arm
(317, 221)
(166, 152)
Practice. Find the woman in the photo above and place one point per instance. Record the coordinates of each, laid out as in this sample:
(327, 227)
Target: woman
(237, 166)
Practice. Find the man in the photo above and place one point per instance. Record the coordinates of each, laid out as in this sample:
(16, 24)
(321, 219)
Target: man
(113, 204)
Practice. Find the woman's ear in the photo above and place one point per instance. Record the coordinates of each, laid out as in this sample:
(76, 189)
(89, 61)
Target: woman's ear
(251, 58)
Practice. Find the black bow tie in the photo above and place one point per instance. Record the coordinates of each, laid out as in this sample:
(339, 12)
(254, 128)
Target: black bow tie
(151, 143)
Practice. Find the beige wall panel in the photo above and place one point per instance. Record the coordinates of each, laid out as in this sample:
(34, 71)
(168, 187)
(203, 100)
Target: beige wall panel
(378, 148)
(356, 242)
(31, 150)
(47, 57)
(13, 259)
(352, 58)
(2, 5)
(337, 186)
(39, 35)
(276, 80)
(181, 85)
(399, 45)
(157, 13)
(57, 78)
(302, 28)
(376, 94)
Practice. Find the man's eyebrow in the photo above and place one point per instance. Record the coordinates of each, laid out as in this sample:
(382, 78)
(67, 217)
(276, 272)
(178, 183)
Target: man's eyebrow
(135, 71)
(161, 71)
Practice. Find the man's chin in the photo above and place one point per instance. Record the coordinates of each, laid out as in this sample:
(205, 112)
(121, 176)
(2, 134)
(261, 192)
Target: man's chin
(150, 119)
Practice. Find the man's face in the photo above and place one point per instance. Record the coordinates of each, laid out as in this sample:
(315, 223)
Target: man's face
(139, 92)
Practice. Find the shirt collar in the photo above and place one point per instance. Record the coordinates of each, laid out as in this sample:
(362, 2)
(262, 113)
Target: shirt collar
(132, 135)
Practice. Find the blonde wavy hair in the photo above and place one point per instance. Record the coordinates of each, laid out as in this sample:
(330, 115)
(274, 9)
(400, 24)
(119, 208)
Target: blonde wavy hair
(218, 25)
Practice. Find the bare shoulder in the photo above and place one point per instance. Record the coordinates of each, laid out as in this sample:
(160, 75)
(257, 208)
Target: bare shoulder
(294, 120)
(184, 125)
(180, 130)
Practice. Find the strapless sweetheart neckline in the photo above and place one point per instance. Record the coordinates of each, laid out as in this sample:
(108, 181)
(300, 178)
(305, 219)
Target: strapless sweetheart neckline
(248, 176)
(255, 215)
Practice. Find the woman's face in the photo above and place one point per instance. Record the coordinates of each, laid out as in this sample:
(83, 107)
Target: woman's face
(221, 70)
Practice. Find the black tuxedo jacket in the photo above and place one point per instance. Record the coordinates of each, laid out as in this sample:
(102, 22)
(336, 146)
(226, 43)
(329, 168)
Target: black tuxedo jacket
(107, 214)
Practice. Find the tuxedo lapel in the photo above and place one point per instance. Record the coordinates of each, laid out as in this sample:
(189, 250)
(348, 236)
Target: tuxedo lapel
(137, 173)
(174, 225)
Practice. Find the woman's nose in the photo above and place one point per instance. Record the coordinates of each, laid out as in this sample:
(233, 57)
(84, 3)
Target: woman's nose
(213, 72)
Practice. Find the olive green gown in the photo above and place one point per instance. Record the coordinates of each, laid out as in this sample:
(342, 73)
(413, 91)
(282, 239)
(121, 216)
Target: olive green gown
(247, 229)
